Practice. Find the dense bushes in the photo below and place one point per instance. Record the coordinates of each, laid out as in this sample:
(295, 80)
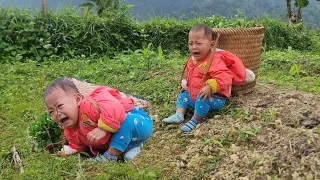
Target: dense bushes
(21, 36)
(27, 35)
(30, 36)
(170, 34)
(90, 35)
(279, 36)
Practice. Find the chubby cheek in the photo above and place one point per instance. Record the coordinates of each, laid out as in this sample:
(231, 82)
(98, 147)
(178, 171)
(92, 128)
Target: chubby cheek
(55, 120)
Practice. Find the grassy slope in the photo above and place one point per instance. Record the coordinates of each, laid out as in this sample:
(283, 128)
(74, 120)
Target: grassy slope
(148, 74)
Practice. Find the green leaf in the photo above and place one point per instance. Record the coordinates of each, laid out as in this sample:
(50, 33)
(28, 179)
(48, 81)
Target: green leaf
(301, 3)
(294, 69)
(250, 133)
(87, 4)
(13, 53)
(217, 143)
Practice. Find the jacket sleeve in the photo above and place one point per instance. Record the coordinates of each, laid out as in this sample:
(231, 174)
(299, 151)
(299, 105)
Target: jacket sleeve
(104, 109)
(236, 67)
(112, 114)
(220, 73)
(73, 141)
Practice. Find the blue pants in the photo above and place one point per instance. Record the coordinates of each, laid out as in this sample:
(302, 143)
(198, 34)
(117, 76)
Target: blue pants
(136, 128)
(215, 103)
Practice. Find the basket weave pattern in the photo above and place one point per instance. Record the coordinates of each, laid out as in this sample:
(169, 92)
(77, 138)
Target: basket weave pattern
(85, 87)
(246, 43)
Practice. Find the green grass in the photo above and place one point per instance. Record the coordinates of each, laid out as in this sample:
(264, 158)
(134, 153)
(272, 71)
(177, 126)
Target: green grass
(22, 84)
(149, 74)
(294, 69)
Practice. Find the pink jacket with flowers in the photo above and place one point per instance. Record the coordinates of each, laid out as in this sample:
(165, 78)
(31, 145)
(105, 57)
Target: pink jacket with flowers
(112, 113)
(226, 68)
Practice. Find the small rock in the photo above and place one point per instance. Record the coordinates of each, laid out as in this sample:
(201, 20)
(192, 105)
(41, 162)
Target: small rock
(278, 121)
(155, 118)
(156, 134)
(195, 162)
(291, 101)
(234, 158)
(180, 163)
(184, 157)
(243, 178)
(172, 164)
(309, 176)
(197, 133)
(207, 149)
(234, 148)
(268, 177)
(217, 117)
(295, 175)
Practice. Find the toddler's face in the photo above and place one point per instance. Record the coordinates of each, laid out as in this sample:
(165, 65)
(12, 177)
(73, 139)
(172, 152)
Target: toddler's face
(63, 107)
(199, 44)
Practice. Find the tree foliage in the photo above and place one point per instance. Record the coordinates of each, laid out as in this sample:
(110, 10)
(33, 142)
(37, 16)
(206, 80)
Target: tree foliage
(296, 17)
(101, 5)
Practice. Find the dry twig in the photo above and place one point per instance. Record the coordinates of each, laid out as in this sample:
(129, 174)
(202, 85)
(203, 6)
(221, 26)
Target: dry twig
(135, 165)
(16, 158)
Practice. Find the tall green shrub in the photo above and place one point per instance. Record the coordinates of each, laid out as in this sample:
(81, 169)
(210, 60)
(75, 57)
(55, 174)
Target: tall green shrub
(278, 35)
(92, 34)
(27, 35)
(22, 37)
(170, 34)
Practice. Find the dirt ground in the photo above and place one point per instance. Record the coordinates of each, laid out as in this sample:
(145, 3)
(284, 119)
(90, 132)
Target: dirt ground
(271, 133)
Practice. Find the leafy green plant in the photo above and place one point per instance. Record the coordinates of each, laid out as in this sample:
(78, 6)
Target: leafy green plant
(246, 134)
(101, 5)
(296, 72)
(278, 35)
(44, 131)
(168, 33)
(223, 22)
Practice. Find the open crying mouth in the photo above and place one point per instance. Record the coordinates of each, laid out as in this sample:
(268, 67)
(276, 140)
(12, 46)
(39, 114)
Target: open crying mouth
(63, 120)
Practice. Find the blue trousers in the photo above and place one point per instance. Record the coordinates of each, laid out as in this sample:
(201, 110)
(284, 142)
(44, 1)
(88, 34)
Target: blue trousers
(201, 108)
(136, 128)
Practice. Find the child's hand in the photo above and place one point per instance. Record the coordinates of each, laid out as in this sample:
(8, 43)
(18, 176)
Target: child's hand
(180, 88)
(67, 151)
(183, 86)
(205, 92)
(96, 134)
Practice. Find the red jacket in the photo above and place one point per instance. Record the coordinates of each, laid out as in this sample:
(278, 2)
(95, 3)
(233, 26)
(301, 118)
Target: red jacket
(226, 68)
(112, 109)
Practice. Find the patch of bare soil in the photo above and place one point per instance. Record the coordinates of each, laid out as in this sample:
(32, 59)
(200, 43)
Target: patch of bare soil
(271, 133)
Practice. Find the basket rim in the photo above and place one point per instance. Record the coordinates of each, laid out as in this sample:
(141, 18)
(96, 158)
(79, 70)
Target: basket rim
(259, 30)
(240, 28)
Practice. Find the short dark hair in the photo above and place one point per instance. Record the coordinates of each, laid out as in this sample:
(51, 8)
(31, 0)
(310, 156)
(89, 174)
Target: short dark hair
(208, 32)
(60, 83)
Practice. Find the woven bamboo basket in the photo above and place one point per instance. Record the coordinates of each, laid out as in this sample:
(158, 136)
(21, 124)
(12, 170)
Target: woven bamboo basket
(246, 43)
